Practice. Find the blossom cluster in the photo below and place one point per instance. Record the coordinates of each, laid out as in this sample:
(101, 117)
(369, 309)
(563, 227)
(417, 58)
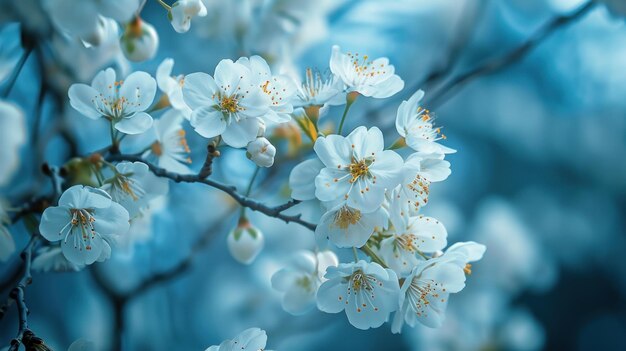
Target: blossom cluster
(371, 192)
(372, 197)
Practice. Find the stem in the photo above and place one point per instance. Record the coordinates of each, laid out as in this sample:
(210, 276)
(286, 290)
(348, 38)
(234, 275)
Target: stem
(165, 6)
(17, 70)
(356, 254)
(349, 102)
(112, 132)
(249, 189)
(398, 144)
(368, 251)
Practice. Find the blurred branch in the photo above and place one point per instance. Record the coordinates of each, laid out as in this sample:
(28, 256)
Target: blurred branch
(28, 47)
(511, 57)
(24, 335)
(121, 299)
(276, 212)
(469, 17)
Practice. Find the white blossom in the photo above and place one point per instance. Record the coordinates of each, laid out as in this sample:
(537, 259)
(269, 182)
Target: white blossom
(121, 102)
(228, 104)
(375, 78)
(183, 11)
(366, 291)
(170, 150)
(172, 86)
(133, 186)
(301, 279)
(86, 222)
(358, 169)
(416, 125)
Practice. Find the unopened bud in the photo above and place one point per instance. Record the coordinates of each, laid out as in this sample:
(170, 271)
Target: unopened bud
(140, 41)
(245, 242)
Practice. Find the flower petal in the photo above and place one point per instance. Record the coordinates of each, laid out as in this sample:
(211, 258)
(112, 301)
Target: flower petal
(53, 220)
(302, 179)
(208, 122)
(136, 124)
(82, 100)
(239, 134)
(139, 89)
(198, 90)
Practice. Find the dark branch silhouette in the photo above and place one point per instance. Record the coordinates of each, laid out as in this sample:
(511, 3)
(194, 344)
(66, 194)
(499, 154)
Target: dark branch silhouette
(276, 212)
(510, 58)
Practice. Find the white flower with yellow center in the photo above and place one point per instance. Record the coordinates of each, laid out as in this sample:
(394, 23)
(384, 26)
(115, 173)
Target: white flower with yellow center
(170, 149)
(134, 186)
(280, 89)
(466, 253)
(348, 227)
(228, 104)
(172, 86)
(410, 236)
(366, 291)
(86, 222)
(121, 102)
(425, 292)
(416, 125)
(375, 78)
(357, 169)
(420, 170)
(320, 90)
(301, 279)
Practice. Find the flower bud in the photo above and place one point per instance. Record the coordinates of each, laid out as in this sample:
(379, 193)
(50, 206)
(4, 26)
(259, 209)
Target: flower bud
(140, 41)
(245, 242)
(261, 152)
(183, 11)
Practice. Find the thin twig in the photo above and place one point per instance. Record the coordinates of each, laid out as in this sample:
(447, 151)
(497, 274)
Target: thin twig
(511, 57)
(18, 68)
(24, 335)
(244, 201)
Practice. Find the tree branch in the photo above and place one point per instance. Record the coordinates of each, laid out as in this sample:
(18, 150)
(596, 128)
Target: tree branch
(511, 57)
(24, 335)
(244, 201)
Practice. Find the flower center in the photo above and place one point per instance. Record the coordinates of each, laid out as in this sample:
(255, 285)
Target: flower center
(305, 283)
(346, 217)
(365, 68)
(127, 186)
(407, 242)
(360, 281)
(467, 269)
(83, 219)
(426, 127)
(229, 104)
(420, 187)
(156, 148)
(358, 169)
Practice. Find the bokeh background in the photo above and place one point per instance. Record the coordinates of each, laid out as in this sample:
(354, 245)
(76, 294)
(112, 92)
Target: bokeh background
(539, 177)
